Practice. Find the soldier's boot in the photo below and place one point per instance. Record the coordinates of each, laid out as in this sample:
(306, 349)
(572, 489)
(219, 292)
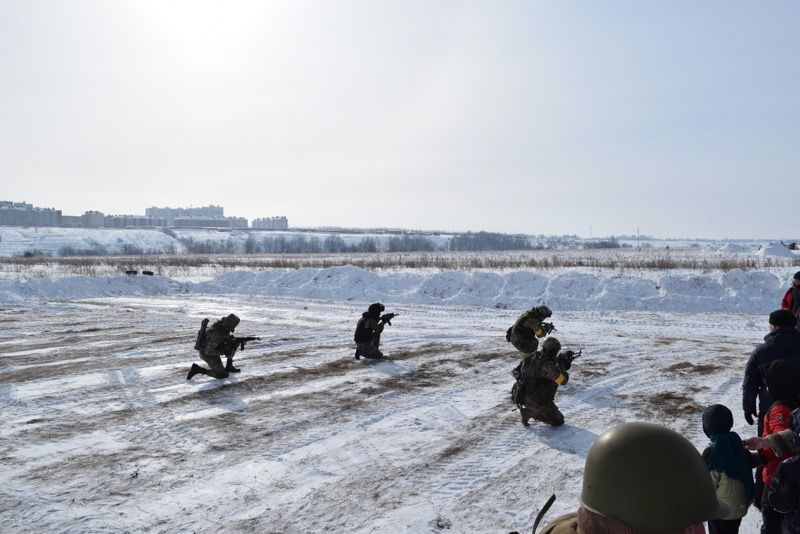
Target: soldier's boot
(358, 354)
(230, 368)
(524, 415)
(196, 369)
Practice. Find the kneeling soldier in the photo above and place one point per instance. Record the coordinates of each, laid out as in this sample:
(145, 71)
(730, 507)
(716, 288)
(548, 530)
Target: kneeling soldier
(218, 341)
(538, 378)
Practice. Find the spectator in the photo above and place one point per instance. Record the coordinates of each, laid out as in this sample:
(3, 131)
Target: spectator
(731, 468)
(783, 384)
(791, 299)
(642, 478)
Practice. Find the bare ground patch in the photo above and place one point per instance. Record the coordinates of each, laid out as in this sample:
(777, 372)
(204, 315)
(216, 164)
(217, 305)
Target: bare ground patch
(674, 404)
(690, 368)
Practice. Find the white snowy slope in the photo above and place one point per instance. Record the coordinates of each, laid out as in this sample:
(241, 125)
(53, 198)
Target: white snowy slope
(102, 433)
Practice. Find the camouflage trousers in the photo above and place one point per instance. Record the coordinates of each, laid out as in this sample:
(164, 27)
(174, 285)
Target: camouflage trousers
(546, 412)
(523, 344)
(216, 368)
(369, 350)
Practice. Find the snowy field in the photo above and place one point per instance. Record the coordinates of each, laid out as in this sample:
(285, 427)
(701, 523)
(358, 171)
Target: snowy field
(102, 433)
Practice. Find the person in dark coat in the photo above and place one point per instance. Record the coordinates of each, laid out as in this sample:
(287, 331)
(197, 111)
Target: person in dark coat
(782, 343)
(791, 299)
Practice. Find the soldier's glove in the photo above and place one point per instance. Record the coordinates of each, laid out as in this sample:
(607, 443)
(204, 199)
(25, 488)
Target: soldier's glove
(749, 414)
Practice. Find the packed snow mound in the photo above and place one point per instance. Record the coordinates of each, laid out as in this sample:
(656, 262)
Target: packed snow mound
(83, 287)
(733, 248)
(774, 250)
(735, 291)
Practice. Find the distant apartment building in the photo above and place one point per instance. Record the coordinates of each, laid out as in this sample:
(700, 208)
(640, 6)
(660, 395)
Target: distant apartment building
(24, 214)
(92, 219)
(133, 221)
(188, 221)
(271, 223)
(237, 222)
(170, 214)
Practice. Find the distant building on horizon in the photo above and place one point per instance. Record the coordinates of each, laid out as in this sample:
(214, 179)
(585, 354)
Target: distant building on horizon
(170, 214)
(198, 221)
(24, 214)
(271, 223)
(133, 221)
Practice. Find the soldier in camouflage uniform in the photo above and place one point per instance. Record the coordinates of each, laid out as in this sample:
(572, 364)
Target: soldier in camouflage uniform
(539, 376)
(528, 327)
(368, 332)
(219, 341)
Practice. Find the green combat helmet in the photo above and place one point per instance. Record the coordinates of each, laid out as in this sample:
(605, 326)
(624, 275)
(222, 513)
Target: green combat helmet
(551, 344)
(650, 478)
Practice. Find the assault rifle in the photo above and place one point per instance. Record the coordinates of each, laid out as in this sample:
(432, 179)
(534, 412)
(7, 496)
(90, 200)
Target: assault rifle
(571, 355)
(387, 318)
(242, 340)
(547, 328)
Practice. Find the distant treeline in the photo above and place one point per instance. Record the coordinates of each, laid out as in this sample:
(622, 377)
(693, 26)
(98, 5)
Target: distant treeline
(335, 244)
(259, 243)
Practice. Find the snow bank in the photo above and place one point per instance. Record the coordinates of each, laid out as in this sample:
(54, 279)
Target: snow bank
(733, 248)
(774, 250)
(83, 287)
(735, 291)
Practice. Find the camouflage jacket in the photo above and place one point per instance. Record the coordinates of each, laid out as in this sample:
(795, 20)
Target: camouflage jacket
(372, 325)
(528, 324)
(219, 339)
(542, 374)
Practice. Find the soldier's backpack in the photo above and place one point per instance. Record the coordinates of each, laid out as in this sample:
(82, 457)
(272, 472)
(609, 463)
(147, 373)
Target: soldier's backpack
(363, 332)
(201, 335)
(520, 390)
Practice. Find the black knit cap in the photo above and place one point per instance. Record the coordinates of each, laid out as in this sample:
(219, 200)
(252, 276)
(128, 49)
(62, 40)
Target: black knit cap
(797, 275)
(782, 318)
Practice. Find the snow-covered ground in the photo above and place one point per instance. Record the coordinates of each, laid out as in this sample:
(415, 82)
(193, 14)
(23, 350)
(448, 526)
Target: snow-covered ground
(101, 432)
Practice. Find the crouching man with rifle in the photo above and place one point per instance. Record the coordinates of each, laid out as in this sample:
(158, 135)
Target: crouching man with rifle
(216, 341)
(538, 377)
(368, 331)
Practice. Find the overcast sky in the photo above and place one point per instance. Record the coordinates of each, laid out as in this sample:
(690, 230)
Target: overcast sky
(680, 119)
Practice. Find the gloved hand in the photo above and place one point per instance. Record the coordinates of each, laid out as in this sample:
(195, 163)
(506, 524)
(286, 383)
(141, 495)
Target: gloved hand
(749, 414)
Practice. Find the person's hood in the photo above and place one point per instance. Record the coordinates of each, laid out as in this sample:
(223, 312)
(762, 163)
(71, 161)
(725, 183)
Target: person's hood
(717, 419)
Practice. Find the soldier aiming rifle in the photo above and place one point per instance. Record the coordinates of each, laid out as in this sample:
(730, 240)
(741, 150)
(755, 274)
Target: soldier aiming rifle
(537, 379)
(368, 331)
(216, 341)
(528, 328)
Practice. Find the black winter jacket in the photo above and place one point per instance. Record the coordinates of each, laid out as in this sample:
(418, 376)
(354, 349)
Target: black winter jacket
(782, 344)
(783, 494)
